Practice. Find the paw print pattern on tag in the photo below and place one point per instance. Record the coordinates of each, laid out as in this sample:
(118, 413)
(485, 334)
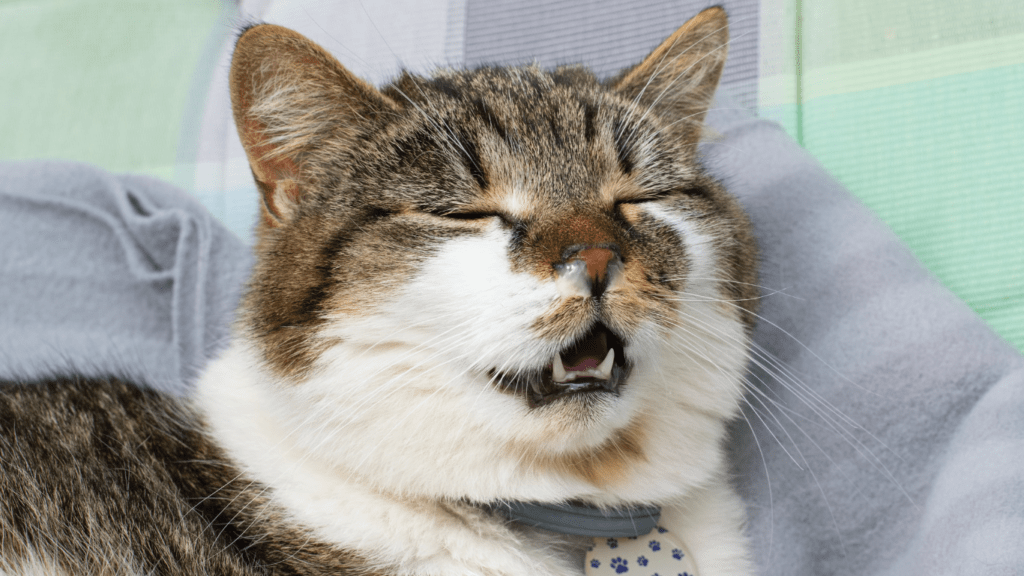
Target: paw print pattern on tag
(654, 554)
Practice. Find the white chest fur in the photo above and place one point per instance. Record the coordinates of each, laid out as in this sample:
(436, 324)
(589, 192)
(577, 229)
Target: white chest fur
(328, 473)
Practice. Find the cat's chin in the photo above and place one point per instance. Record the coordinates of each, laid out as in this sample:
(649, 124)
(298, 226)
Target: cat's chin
(591, 367)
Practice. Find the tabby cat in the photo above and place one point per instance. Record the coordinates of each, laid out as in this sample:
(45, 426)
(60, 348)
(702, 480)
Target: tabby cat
(487, 286)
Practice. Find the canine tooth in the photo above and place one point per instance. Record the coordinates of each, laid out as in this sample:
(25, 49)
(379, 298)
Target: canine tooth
(605, 369)
(535, 384)
(557, 368)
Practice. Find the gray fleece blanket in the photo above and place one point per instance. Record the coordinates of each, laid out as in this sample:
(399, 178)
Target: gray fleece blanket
(884, 427)
(883, 433)
(109, 275)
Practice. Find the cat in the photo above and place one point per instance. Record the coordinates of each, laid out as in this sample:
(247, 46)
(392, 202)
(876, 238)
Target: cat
(486, 286)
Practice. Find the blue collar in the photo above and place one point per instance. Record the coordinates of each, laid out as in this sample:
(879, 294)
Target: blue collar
(582, 520)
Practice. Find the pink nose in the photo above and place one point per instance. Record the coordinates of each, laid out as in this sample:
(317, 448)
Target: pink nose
(597, 260)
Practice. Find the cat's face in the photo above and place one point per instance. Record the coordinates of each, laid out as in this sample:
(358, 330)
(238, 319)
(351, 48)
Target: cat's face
(500, 283)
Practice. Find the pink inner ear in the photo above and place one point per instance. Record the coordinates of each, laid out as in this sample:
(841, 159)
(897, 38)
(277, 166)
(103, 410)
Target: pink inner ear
(276, 176)
(269, 167)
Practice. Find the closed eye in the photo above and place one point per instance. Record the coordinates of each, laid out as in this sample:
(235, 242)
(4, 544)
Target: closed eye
(640, 199)
(659, 195)
(470, 215)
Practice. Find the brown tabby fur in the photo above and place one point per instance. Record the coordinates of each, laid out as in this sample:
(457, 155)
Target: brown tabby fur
(100, 477)
(103, 478)
(372, 166)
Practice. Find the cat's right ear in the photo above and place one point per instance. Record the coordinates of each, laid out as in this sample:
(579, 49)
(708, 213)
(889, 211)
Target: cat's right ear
(678, 79)
(290, 98)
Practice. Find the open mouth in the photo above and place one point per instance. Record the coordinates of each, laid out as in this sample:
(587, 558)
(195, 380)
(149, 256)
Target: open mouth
(595, 363)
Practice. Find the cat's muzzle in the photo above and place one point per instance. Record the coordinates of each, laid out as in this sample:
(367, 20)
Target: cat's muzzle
(593, 364)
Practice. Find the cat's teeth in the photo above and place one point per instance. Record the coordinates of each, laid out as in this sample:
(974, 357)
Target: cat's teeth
(535, 384)
(604, 371)
(557, 368)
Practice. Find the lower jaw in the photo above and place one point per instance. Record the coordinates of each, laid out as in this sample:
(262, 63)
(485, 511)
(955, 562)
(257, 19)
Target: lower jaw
(578, 392)
(581, 396)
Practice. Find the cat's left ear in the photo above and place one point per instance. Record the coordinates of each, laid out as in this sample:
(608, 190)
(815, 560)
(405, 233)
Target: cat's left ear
(294, 103)
(678, 79)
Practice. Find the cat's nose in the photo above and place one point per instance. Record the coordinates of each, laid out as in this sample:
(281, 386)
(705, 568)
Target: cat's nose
(590, 266)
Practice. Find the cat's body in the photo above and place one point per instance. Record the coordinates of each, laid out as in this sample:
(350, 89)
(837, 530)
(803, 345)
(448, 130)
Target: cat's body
(100, 477)
(493, 285)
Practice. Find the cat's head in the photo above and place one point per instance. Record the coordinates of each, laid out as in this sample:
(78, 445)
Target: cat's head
(501, 282)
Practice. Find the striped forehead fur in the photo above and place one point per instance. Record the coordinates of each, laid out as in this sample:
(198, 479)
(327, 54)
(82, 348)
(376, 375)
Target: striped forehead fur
(517, 141)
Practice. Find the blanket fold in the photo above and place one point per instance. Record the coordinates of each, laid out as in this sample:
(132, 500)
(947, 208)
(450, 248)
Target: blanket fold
(111, 275)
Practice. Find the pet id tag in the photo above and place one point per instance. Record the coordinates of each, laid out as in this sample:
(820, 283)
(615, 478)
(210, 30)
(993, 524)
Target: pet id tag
(657, 553)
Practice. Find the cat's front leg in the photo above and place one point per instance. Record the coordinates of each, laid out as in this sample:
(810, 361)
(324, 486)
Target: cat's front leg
(711, 525)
